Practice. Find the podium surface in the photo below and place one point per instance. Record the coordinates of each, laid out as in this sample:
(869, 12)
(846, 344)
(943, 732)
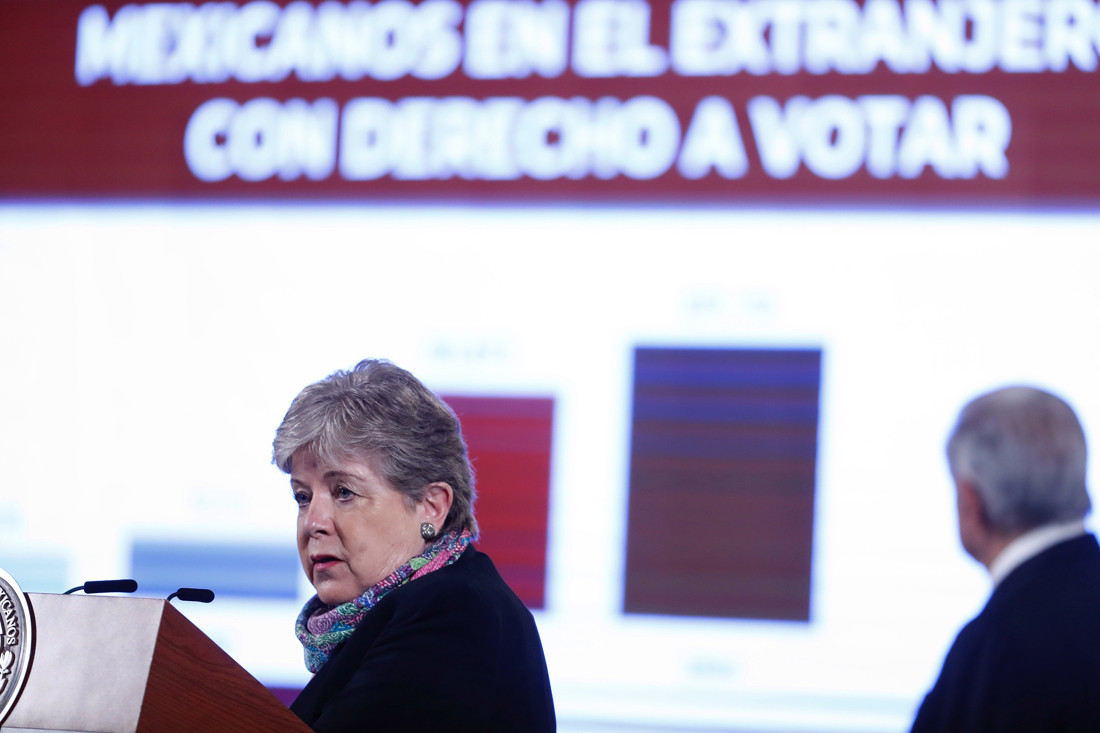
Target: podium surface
(135, 665)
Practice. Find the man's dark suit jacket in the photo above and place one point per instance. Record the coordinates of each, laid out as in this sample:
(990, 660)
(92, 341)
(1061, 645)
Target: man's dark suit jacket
(1030, 661)
(454, 650)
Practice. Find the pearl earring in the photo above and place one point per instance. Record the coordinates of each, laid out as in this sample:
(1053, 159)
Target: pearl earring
(427, 530)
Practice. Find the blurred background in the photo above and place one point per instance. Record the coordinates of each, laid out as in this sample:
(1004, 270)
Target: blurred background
(706, 281)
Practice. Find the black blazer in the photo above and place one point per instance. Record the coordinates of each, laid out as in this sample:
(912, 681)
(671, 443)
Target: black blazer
(1030, 661)
(454, 650)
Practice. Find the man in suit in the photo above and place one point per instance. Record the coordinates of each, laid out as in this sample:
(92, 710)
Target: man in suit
(1030, 661)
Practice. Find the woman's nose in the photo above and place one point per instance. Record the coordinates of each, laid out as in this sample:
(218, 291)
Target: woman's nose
(318, 518)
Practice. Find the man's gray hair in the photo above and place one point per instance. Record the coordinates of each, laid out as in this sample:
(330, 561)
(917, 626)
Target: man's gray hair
(1024, 452)
(380, 413)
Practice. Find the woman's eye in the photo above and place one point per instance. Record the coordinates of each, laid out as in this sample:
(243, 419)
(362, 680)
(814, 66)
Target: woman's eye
(343, 492)
(301, 498)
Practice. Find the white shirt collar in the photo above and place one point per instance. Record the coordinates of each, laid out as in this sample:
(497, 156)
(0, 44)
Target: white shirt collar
(1030, 544)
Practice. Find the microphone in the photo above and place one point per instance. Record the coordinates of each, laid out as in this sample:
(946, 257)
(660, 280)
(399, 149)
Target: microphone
(198, 595)
(105, 586)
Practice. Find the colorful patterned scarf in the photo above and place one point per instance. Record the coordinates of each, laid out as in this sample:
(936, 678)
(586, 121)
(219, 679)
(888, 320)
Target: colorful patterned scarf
(321, 627)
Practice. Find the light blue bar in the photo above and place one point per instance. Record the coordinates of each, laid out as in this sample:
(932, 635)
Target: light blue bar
(245, 571)
(37, 573)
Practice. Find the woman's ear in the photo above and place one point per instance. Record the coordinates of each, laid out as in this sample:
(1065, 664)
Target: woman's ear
(435, 505)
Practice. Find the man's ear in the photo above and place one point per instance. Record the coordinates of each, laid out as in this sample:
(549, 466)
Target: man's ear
(435, 505)
(973, 524)
(970, 503)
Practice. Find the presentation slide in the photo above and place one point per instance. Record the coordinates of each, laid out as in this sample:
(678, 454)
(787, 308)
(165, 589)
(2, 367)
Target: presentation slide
(706, 282)
(710, 443)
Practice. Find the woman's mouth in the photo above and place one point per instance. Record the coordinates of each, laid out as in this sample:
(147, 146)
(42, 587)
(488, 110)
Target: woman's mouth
(323, 562)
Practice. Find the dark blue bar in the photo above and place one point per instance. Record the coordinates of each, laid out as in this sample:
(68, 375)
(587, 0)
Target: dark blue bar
(721, 446)
(728, 410)
(729, 376)
(734, 430)
(244, 571)
(728, 368)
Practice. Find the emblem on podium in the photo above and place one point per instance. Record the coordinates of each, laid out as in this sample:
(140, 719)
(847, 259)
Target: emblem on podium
(16, 642)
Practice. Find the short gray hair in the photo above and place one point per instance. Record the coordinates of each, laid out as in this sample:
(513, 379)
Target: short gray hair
(1024, 452)
(381, 413)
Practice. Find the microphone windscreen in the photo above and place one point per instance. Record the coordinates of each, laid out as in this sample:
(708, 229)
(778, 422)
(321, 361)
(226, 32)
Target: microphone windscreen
(110, 586)
(198, 595)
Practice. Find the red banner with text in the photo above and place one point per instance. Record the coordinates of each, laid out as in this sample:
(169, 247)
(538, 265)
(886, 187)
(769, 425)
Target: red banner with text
(938, 101)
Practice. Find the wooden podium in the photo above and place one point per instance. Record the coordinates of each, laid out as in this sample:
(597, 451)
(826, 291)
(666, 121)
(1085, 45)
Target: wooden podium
(135, 665)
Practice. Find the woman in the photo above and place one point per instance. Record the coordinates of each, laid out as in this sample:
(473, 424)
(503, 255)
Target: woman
(412, 629)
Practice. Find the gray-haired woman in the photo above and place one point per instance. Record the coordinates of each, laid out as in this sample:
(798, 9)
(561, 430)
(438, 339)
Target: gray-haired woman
(412, 629)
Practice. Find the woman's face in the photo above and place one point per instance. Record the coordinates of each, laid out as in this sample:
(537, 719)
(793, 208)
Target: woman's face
(353, 529)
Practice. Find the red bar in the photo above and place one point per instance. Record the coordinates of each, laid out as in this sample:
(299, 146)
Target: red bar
(509, 441)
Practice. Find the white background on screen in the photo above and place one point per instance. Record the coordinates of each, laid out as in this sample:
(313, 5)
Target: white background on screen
(149, 353)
